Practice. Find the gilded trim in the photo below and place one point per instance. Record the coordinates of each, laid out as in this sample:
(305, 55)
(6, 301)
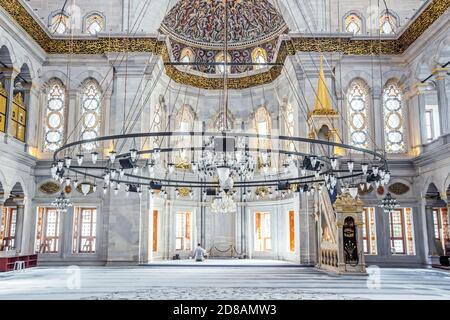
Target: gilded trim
(299, 44)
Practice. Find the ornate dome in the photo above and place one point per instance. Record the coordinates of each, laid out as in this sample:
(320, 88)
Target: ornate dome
(201, 22)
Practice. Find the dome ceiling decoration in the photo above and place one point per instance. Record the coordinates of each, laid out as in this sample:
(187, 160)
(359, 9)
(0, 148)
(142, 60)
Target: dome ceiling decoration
(201, 23)
(196, 34)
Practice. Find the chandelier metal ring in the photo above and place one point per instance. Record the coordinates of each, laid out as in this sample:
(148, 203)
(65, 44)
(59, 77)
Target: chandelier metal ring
(142, 180)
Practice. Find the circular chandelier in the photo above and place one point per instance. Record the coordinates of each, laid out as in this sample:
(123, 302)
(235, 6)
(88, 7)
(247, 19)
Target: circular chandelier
(227, 163)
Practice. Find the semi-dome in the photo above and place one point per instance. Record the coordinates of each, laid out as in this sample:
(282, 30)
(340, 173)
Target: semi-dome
(201, 22)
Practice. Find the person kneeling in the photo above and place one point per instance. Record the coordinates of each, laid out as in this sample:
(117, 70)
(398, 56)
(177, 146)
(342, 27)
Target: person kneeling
(199, 253)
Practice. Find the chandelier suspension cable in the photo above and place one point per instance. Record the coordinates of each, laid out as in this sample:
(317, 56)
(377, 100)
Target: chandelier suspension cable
(225, 71)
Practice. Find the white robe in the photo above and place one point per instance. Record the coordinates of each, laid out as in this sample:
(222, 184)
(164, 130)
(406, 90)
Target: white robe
(199, 252)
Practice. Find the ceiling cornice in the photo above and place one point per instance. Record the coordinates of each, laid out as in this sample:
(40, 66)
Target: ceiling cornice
(346, 45)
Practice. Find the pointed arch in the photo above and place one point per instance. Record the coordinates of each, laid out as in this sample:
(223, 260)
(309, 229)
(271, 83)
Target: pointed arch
(55, 114)
(358, 113)
(90, 112)
(394, 119)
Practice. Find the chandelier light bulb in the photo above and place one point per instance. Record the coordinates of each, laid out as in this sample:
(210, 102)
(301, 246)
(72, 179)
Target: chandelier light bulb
(94, 157)
(75, 183)
(121, 172)
(334, 163)
(68, 161)
(67, 181)
(53, 170)
(116, 191)
(60, 164)
(303, 171)
(85, 188)
(112, 156)
(313, 161)
(375, 170)
(353, 190)
(382, 173)
(364, 168)
(350, 166)
(135, 170)
(80, 159)
(133, 154)
(113, 173)
(171, 168)
(105, 189)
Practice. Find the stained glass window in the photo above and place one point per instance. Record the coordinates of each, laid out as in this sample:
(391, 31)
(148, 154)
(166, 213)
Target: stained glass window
(54, 116)
(59, 23)
(263, 127)
(441, 227)
(220, 58)
(187, 56)
(353, 24)
(259, 55)
(84, 230)
(157, 124)
(358, 114)
(369, 231)
(289, 119)
(47, 231)
(393, 119)
(8, 220)
(183, 231)
(262, 229)
(388, 24)
(401, 231)
(91, 113)
(94, 24)
(184, 123)
(291, 231)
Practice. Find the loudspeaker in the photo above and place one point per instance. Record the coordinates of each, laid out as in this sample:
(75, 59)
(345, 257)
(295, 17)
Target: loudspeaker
(126, 163)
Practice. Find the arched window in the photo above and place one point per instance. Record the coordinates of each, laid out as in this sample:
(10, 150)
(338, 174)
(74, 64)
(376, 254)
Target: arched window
(219, 121)
(220, 58)
(90, 112)
(353, 24)
(263, 126)
(59, 23)
(184, 123)
(259, 55)
(157, 122)
(54, 116)
(388, 24)
(289, 120)
(393, 119)
(358, 114)
(187, 55)
(94, 23)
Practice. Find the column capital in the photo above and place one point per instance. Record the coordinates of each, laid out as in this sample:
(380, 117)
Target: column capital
(440, 73)
(417, 89)
(9, 73)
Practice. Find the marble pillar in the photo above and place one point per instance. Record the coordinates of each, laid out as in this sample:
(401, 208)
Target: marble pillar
(432, 250)
(440, 75)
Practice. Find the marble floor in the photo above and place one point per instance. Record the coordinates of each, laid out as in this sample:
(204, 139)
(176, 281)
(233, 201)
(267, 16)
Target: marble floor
(255, 280)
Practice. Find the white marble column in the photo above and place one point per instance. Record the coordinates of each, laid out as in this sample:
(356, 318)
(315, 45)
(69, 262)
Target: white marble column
(440, 75)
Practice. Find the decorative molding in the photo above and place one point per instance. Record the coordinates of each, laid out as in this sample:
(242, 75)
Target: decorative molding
(349, 46)
(398, 188)
(50, 187)
(346, 204)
